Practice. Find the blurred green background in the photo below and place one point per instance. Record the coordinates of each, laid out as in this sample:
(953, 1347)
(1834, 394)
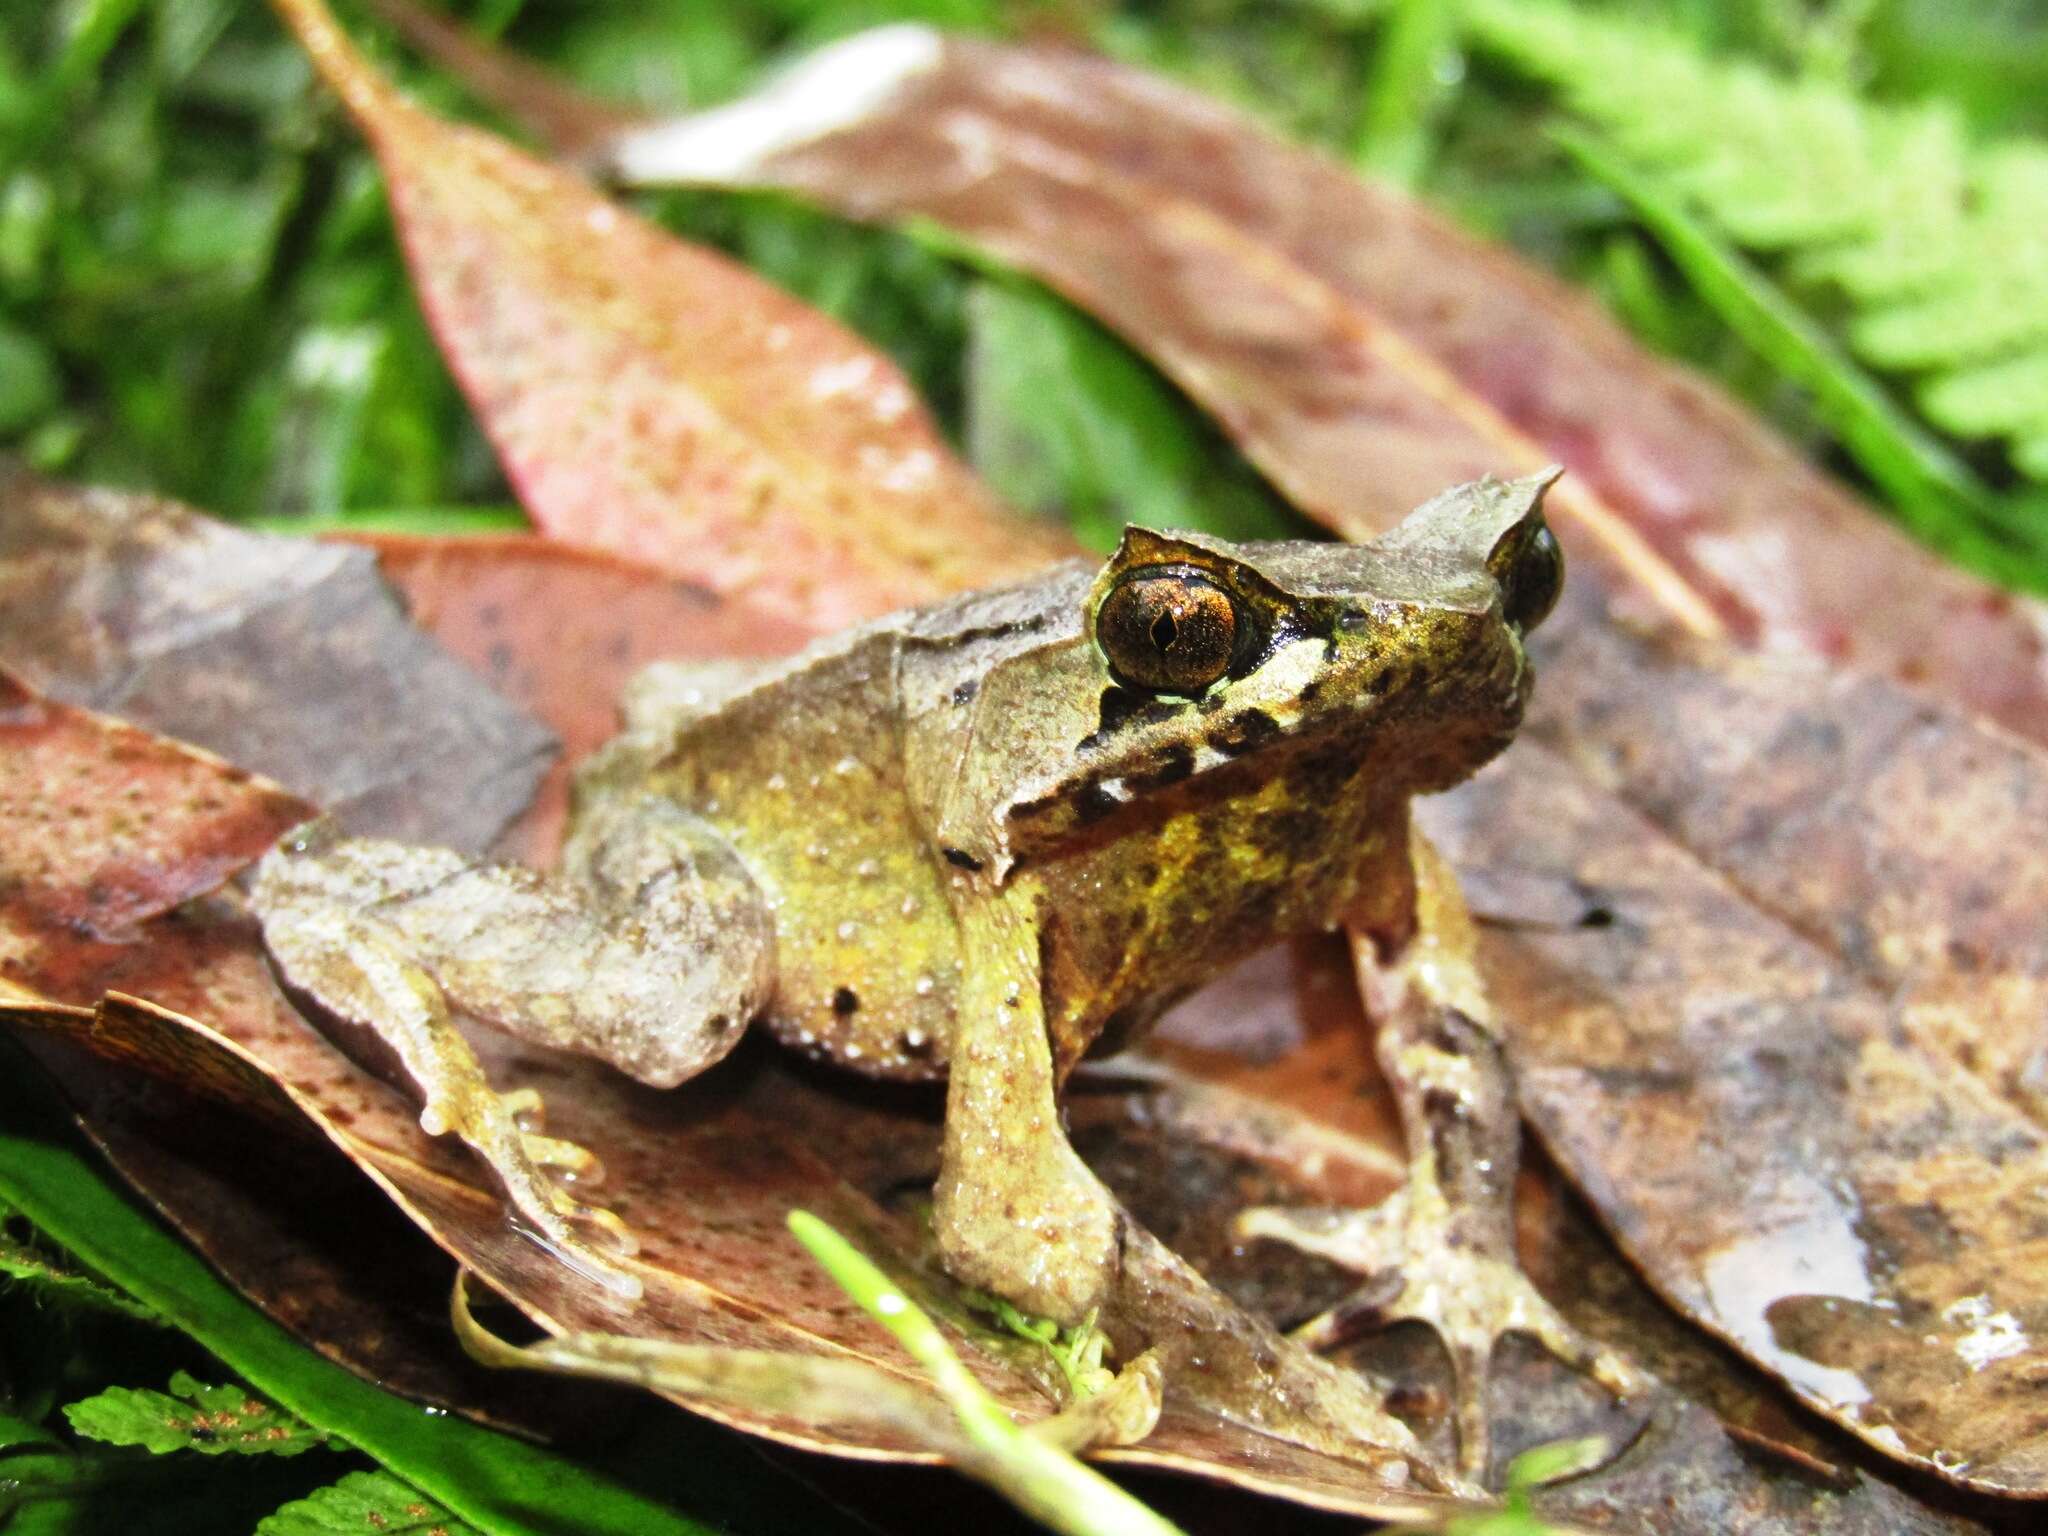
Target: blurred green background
(199, 292)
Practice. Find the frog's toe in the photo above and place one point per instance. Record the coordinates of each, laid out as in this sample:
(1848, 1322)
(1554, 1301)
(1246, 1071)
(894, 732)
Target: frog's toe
(536, 1172)
(567, 1161)
(1123, 1412)
(1469, 1298)
(591, 1243)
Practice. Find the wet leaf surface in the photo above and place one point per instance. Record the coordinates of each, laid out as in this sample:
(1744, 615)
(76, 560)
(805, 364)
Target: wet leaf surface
(142, 608)
(656, 399)
(1779, 1019)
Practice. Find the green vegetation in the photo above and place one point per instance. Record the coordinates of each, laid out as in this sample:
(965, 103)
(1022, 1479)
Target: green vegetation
(199, 293)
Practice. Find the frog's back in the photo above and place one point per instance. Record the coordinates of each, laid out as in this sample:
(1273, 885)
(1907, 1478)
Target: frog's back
(803, 772)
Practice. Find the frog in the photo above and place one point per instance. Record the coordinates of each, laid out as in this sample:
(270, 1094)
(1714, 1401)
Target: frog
(982, 841)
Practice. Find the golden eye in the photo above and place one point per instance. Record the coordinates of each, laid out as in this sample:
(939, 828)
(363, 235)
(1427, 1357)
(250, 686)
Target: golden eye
(1167, 629)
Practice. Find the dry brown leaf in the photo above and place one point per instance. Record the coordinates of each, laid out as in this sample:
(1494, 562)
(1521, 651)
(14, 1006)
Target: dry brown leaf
(506, 605)
(656, 399)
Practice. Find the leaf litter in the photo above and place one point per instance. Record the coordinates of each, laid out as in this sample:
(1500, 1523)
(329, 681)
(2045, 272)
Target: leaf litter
(1524, 887)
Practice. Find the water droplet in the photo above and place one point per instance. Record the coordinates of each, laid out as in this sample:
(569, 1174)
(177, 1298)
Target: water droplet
(867, 869)
(923, 986)
(846, 765)
(848, 930)
(777, 782)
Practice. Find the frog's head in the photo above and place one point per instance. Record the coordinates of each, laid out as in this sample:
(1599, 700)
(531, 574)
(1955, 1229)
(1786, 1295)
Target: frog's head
(1205, 668)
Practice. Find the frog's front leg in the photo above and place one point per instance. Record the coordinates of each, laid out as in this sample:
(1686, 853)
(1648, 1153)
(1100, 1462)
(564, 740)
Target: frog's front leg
(1441, 1251)
(1016, 1211)
(651, 950)
(1020, 1215)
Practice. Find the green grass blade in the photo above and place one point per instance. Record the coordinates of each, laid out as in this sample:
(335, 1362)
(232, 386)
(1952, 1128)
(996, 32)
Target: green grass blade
(1414, 73)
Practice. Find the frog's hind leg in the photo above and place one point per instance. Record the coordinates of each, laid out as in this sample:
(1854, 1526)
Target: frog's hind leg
(650, 950)
(1442, 1250)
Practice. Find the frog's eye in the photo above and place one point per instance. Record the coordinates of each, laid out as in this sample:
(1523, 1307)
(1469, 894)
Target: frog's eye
(1167, 629)
(1530, 587)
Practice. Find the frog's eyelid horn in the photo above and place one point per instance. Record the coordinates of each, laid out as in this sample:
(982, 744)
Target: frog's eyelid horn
(1143, 547)
(1481, 519)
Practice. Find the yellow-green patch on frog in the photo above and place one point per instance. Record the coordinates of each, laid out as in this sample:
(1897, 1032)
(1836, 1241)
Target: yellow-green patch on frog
(977, 839)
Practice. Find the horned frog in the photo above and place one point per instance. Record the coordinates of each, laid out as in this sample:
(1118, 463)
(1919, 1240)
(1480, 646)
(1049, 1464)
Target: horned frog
(983, 839)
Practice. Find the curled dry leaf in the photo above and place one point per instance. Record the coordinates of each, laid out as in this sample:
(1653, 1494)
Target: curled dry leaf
(708, 1174)
(658, 400)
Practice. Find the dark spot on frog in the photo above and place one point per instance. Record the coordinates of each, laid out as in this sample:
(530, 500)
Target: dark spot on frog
(1442, 1105)
(1120, 706)
(963, 693)
(1177, 762)
(1351, 619)
(718, 1023)
(1310, 692)
(499, 659)
(1093, 803)
(1597, 917)
(1149, 873)
(845, 1001)
(1241, 733)
(960, 858)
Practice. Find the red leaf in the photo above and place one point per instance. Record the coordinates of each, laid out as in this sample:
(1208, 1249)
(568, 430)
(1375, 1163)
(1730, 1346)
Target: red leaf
(660, 401)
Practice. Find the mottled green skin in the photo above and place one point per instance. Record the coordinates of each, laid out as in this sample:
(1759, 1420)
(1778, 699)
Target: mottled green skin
(876, 783)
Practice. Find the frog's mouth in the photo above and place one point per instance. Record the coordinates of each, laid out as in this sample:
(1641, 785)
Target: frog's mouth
(1319, 730)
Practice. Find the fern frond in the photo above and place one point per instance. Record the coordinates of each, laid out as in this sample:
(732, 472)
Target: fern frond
(360, 1502)
(1938, 246)
(193, 1416)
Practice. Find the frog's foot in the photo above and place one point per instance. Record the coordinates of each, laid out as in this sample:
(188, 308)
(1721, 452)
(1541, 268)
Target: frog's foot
(1122, 1411)
(1419, 1271)
(535, 1170)
(1045, 1236)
